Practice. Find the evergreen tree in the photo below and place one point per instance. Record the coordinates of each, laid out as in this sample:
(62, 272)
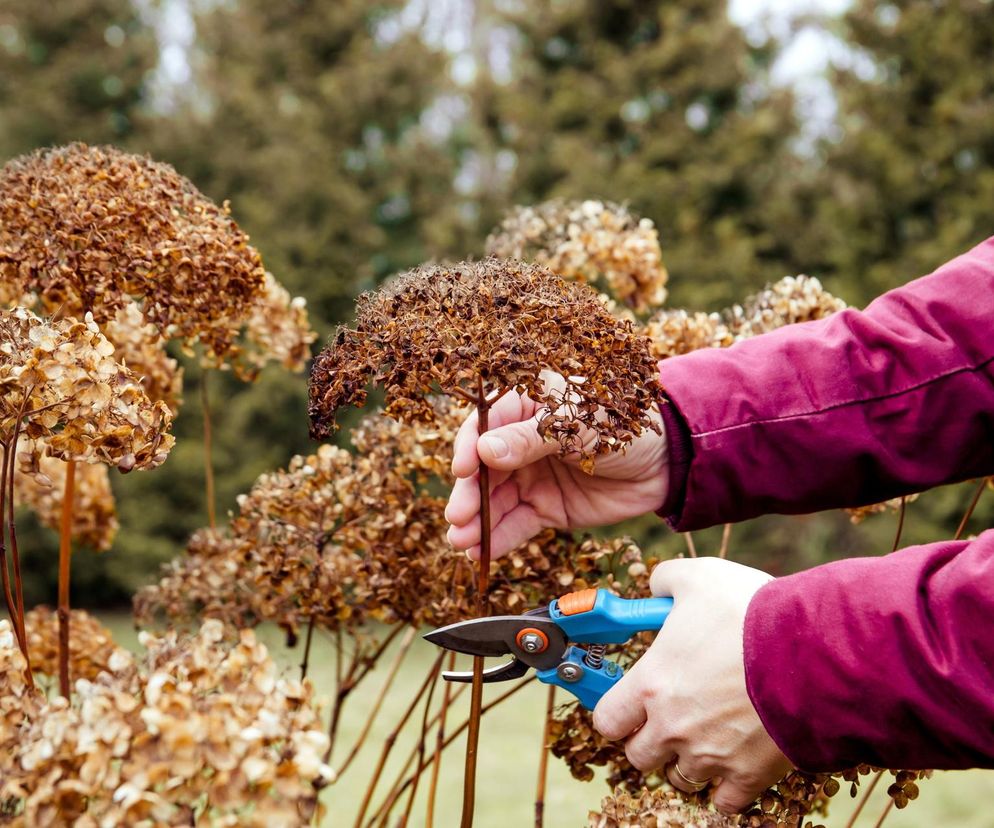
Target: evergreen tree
(661, 104)
(71, 70)
(908, 181)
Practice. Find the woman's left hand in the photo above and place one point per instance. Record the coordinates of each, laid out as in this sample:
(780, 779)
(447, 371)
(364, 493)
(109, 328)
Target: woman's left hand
(685, 702)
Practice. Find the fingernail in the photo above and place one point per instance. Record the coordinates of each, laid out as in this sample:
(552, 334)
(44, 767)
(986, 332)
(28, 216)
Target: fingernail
(498, 448)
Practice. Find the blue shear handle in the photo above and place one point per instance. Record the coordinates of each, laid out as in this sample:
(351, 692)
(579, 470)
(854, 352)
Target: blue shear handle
(612, 620)
(586, 683)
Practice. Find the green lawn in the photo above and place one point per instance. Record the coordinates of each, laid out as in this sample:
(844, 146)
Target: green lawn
(509, 757)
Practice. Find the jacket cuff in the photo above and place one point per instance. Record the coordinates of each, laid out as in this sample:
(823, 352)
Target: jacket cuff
(680, 450)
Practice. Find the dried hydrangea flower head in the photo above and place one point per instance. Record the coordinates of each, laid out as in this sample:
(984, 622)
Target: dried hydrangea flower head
(591, 241)
(276, 330)
(159, 240)
(793, 299)
(202, 730)
(675, 332)
(860, 513)
(40, 487)
(489, 327)
(655, 809)
(139, 346)
(74, 398)
(91, 644)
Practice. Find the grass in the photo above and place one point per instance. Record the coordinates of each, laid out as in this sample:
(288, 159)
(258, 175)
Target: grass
(509, 755)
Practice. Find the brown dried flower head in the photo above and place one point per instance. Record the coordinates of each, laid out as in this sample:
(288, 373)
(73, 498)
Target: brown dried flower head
(138, 345)
(492, 326)
(590, 241)
(60, 383)
(87, 226)
(202, 731)
(276, 330)
(91, 644)
(41, 489)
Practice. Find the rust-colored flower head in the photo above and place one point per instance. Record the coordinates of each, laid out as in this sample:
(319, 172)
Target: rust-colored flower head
(590, 241)
(41, 487)
(60, 383)
(201, 729)
(490, 327)
(88, 226)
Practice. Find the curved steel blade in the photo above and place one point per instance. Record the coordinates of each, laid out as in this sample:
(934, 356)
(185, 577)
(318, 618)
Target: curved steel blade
(497, 636)
(502, 672)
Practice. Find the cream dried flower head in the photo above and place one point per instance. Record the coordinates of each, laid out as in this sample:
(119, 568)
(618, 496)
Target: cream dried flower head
(202, 730)
(791, 300)
(60, 382)
(91, 645)
(675, 332)
(591, 241)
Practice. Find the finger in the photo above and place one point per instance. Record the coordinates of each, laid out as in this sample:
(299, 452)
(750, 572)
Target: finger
(514, 446)
(464, 458)
(734, 795)
(517, 526)
(647, 750)
(677, 575)
(693, 773)
(621, 710)
(464, 499)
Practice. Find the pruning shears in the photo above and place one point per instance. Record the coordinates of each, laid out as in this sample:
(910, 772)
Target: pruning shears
(541, 639)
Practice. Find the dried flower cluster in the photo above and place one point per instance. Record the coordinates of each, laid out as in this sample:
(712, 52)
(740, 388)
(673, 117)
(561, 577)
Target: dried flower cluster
(490, 327)
(200, 732)
(675, 332)
(590, 241)
(97, 230)
(861, 513)
(655, 809)
(74, 398)
(91, 644)
(94, 517)
(791, 300)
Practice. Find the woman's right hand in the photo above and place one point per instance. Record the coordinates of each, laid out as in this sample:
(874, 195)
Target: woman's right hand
(533, 488)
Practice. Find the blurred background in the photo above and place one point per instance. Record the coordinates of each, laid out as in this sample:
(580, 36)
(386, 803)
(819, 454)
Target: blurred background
(853, 142)
(849, 141)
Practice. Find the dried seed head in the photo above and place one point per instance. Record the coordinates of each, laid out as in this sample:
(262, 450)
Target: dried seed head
(793, 299)
(674, 332)
(655, 809)
(91, 644)
(499, 324)
(588, 241)
(861, 513)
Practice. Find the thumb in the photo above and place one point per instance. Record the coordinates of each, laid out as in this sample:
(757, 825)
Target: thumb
(678, 575)
(514, 446)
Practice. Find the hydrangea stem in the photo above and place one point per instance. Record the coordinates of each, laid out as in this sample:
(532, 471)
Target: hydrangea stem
(4, 570)
(65, 555)
(439, 741)
(864, 799)
(483, 584)
(969, 511)
(208, 460)
(543, 760)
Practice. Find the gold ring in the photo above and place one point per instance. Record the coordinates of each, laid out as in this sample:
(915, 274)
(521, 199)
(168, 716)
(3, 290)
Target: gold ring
(692, 783)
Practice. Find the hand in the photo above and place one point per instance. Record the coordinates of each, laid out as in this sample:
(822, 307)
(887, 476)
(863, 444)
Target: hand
(685, 700)
(532, 488)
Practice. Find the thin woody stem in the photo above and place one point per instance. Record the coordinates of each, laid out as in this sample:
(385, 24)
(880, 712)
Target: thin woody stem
(439, 740)
(465, 724)
(726, 534)
(65, 555)
(421, 758)
(392, 738)
(969, 511)
(307, 649)
(4, 571)
(900, 523)
(405, 645)
(691, 548)
(883, 816)
(483, 583)
(864, 799)
(208, 461)
(15, 556)
(543, 760)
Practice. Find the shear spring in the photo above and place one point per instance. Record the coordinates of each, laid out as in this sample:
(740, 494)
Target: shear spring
(595, 656)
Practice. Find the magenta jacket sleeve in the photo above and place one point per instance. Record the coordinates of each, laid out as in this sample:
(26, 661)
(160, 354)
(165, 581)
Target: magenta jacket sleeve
(888, 661)
(849, 410)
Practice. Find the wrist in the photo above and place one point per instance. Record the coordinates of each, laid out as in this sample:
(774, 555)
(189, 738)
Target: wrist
(677, 458)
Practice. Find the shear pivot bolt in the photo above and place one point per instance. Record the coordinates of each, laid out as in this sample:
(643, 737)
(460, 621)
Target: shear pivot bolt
(570, 672)
(532, 640)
